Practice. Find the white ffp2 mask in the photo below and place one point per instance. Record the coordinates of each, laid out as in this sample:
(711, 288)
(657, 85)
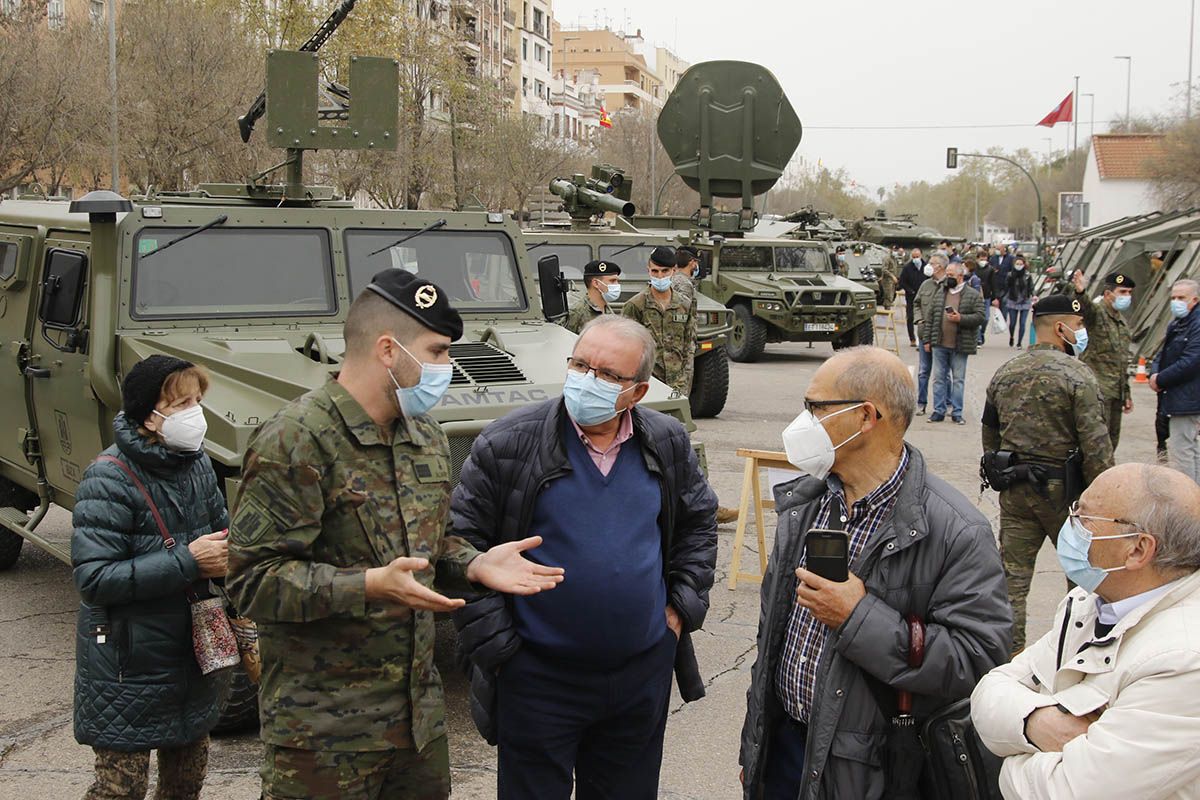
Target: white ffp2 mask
(808, 446)
(184, 430)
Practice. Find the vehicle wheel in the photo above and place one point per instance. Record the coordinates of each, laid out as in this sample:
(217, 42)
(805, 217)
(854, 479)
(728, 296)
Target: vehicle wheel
(13, 496)
(861, 334)
(239, 712)
(749, 336)
(710, 383)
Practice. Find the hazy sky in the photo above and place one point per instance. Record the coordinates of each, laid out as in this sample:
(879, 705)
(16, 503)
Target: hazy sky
(1001, 66)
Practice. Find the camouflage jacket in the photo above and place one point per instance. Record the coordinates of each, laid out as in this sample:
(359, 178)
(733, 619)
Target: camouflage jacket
(325, 496)
(582, 312)
(1042, 405)
(1109, 342)
(684, 285)
(674, 330)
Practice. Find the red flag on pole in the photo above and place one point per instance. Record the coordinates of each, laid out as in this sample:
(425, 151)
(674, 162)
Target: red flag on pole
(1063, 112)
(605, 119)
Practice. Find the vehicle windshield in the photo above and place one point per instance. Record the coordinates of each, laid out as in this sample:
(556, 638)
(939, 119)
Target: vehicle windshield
(632, 261)
(477, 268)
(774, 259)
(233, 273)
(569, 255)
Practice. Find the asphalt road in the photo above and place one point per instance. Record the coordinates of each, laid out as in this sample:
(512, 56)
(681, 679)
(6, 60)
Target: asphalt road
(39, 759)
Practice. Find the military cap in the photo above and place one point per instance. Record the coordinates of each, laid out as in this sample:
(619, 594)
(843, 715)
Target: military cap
(663, 256)
(685, 255)
(420, 299)
(1119, 279)
(593, 269)
(1058, 304)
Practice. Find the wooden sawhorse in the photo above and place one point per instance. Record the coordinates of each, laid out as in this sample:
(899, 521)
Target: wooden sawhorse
(752, 492)
(887, 327)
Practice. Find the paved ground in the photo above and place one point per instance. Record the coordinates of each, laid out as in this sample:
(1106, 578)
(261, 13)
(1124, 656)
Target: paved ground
(39, 759)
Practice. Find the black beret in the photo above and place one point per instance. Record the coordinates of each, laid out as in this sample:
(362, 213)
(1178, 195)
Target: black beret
(1120, 279)
(663, 256)
(143, 385)
(685, 256)
(594, 268)
(420, 299)
(1058, 304)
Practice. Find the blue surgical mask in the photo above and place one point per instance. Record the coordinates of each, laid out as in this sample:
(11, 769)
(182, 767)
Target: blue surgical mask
(612, 292)
(589, 400)
(1179, 309)
(1081, 341)
(1122, 302)
(661, 284)
(1074, 542)
(435, 379)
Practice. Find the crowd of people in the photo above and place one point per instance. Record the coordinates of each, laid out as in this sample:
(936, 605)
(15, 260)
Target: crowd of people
(578, 547)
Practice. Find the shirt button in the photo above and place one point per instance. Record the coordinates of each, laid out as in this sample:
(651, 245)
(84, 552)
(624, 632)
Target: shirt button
(814, 774)
(803, 659)
(789, 494)
(1107, 660)
(1078, 624)
(839, 693)
(793, 513)
(843, 517)
(891, 546)
(1079, 661)
(912, 533)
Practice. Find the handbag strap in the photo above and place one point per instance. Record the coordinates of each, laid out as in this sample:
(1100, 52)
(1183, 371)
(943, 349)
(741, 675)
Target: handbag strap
(168, 539)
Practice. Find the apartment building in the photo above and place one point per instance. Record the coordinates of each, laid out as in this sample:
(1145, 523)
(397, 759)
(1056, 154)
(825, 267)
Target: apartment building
(625, 80)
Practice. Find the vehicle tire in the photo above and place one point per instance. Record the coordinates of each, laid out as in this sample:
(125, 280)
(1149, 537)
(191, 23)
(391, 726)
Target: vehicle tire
(239, 711)
(12, 495)
(861, 334)
(749, 336)
(710, 383)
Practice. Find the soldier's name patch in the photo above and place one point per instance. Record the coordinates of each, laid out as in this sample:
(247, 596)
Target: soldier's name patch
(431, 469)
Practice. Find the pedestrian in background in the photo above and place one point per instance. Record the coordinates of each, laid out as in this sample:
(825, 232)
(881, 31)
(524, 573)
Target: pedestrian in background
(986, 273)
(1109, 342)
(949, 327)
(1176, 374)
(137, 684)
(1043, 406)
(1018, 300)
(912, 275)
(813, 727)
(1107, 702)
(928, 296)
(574, 686)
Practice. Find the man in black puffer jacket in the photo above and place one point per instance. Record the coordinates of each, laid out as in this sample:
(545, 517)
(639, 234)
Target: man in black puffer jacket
(577, 681)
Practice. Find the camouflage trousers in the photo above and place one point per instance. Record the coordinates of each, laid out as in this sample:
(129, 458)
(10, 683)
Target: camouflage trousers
(1113, 411)
(1026, 520)
(126, 776)
(291, 774)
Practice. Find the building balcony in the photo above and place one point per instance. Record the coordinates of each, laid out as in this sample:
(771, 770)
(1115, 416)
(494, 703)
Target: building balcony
(464, 9)
(510, 54)
(510, 17)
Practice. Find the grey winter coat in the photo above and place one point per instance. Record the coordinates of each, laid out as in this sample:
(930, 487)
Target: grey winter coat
(934, 556)
(141, 689)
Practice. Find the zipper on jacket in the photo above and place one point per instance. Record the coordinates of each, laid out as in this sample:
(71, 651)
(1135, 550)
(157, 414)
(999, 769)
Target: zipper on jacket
(1062, 636)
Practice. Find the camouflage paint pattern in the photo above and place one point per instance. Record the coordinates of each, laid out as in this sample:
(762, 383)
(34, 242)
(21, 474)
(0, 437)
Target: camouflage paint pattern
(674, 331)
(181, 772)
(1026, 520)
(336, 775)
(582, 312)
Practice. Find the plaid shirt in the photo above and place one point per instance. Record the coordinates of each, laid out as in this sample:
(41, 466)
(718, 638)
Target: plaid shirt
(795, 682)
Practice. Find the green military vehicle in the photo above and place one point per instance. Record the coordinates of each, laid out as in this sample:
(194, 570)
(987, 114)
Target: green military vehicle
(591, 238)
(902, 230)
(252, 281)
(730, 131)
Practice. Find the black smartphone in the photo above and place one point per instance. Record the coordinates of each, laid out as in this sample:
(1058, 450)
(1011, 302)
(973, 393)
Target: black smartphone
(949, 309)
(827, 553)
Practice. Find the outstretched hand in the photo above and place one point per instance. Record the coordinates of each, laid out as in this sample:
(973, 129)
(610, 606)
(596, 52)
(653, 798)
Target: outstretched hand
(505, 569)
(395, 583)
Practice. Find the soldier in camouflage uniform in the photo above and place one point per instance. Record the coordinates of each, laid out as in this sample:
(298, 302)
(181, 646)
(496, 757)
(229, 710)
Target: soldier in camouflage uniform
(687, 264)
(670, 317)
(602, 279)
(338, 536)
(888, 277)
(1041, 405)
(1109, 341)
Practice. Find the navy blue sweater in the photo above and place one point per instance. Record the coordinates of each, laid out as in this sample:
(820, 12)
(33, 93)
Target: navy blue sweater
(603, 530)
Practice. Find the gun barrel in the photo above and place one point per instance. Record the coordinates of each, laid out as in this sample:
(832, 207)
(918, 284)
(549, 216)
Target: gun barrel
(584, 198)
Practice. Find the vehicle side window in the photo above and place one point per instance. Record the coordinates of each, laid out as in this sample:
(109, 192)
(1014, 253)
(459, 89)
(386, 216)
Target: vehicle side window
(8, 260)
(62, 288)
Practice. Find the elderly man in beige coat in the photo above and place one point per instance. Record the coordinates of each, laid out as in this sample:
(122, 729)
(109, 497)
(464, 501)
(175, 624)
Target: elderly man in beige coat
(1107, 704)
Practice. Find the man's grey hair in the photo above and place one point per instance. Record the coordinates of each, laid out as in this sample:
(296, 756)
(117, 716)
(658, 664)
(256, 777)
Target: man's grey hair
(894, 391)
(939, 259)
(1189, 286)
(1174, 525)
(627, 329)
(961, 267)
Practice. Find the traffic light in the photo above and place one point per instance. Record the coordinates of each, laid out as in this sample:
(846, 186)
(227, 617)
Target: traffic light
(951, 157)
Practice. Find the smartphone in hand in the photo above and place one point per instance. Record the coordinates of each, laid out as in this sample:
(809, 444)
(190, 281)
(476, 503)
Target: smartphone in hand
(827, 553)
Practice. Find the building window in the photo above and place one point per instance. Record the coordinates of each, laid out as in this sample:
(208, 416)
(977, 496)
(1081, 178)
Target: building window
(525, 87)
(538, 19)
(56, 14)
(524, 49)
(96, 11)
(539, 53)
(538, 88)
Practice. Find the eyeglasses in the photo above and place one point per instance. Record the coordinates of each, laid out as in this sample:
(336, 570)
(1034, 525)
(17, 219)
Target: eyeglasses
(1073, 513)
(811, 406)
(582, 367)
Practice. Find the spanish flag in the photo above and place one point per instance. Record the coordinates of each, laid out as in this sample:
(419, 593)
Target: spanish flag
(605, 119)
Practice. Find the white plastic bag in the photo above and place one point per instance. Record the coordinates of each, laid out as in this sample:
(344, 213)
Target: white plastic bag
(998, 326)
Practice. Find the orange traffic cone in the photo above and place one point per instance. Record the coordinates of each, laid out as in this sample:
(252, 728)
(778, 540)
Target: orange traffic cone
(1141, 377)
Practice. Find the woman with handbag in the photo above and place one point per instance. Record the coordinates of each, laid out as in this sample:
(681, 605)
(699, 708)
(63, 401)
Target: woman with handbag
(150, 526)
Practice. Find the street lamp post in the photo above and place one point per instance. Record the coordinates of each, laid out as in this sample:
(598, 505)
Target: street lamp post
(1128, 84)
(112, 88)
(1191, 39)
(952, 156)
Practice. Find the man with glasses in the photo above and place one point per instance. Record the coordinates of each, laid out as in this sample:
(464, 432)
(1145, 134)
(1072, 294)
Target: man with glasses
(574, 688)
(914, 546)
(1107, 703)
(1042, 406)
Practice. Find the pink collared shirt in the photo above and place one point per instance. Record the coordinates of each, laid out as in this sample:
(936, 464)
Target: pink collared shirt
(604, 459)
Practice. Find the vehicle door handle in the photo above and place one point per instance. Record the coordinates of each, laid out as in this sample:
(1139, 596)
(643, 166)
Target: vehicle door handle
(37, 372)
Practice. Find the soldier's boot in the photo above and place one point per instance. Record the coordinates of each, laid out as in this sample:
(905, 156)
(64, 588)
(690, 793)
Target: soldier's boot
(120, 776)
(725, 515)
(181, 771)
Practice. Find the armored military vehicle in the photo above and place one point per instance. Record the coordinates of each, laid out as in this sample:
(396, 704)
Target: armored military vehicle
(902, 230)
(590, 237)
(252, 281)
(730, 131)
